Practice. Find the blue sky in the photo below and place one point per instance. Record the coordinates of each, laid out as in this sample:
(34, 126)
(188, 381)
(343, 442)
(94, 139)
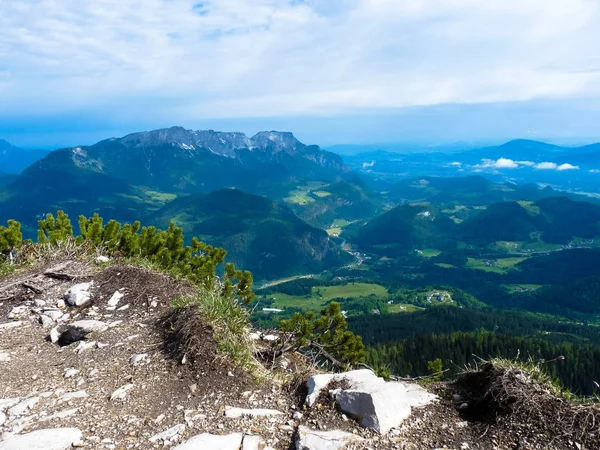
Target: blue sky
(332, 71)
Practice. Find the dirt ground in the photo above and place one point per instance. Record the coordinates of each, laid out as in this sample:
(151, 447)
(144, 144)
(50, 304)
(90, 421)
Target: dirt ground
(71, 386)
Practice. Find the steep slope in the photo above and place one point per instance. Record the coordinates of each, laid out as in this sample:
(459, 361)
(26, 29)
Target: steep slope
(14, 160)
(345, 200)
(259, 234)
(402, 229)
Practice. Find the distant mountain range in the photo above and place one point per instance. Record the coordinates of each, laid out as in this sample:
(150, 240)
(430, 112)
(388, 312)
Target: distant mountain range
(14, 160)
(127, 178)
(519, 161)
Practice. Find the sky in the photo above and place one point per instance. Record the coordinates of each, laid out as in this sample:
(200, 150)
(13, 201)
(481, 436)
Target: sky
(331, 71)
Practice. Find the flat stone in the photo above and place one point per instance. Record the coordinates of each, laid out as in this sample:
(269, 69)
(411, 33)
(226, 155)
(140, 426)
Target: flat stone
(72, 395)
(377, 404)
(169, 435)
(115, 299)
(60, 414)
(49, 439)
(4, 357)
(253, 443)
(83, 346)
(206, 441)
(6, 403)
(308, 439)
(78, 295)
(120, 393)
(137, 358)
(9, 325)
(70, 373)
(23, 406)
(53, 313)
(46, 321)
(90, 326)
(236, 413)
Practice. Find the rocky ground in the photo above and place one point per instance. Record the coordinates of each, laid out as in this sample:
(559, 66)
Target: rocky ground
(123, 387)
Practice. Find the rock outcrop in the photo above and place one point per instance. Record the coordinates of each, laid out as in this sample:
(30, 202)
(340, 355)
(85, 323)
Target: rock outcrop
(375, 403)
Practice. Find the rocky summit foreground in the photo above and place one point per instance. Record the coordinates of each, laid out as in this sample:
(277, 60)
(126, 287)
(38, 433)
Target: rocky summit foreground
(87, 360)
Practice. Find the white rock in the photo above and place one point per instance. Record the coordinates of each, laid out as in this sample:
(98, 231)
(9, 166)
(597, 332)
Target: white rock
(297, 415)
(208, 441)
(378, 404)
(323, 440)
(17, 311)
(123, 308)
(46, 321)
(6, 403)
(78, 295)
(8, 325)
(115, 299)
(53, 313)
(120, 393)
(72, 395)
(90, 326)
(252, 443)
(83, 346)
(2, 418)
(23, 406)
(60, 414)
(102, 259)
(270, 338)
(169, 435)
(39, 303)
(70, 373)
(4, 357)
(236, 413)
(49, 439)
(54, 335)
(137, 358)
(254, 336)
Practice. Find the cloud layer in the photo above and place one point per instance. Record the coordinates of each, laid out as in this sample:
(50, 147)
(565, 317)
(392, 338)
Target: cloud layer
(174, 59)
(506, 163)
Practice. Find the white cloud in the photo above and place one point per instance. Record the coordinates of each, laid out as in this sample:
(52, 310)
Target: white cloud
(501, 163)
(505, 163)
(546, 166)
(526, 163)
(567, 167)
(249, 58)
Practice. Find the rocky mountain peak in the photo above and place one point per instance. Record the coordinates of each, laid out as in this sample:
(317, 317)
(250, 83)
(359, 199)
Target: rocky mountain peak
(275, 139)
(218, 142)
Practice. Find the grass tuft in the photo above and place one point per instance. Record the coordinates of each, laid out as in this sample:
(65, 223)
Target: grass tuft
(229, 321)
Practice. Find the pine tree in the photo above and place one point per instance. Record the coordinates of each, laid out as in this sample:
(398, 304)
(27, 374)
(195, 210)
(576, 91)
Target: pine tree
(324, 336)
(11, 239)
(53, 230)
